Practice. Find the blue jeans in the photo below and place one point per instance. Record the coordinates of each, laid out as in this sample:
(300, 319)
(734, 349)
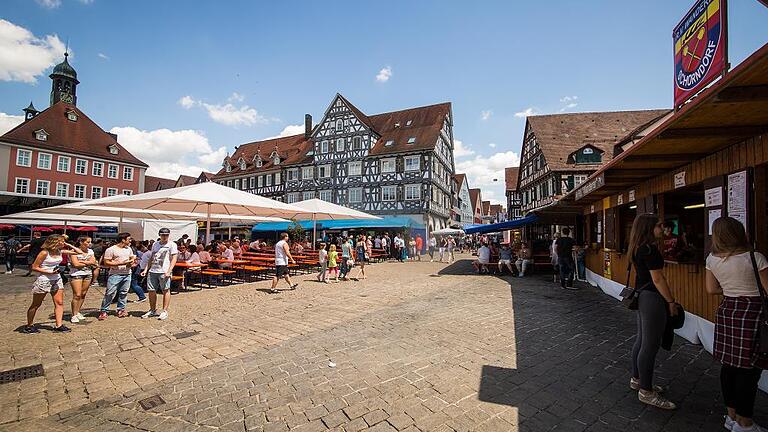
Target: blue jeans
(566, 271)
(135, 287)
(582, 268)
(116, 283)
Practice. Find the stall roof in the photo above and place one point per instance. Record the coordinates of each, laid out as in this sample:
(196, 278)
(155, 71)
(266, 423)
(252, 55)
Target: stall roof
(501, 226)
(728, 112)
(384, 222)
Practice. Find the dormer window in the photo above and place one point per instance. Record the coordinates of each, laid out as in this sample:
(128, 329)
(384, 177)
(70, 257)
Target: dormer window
(411, 140)
(586, 155)
(588, 151)
(409, 122)
(275, 158)
(71, 115)
(257, 160)
(389, 143)
(41, 135)
(228, 167)
(242, 164)
(397, 125)
(113, 149)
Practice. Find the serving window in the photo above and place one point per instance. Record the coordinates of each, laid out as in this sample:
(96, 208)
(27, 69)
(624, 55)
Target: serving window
(595, 222)
(685, 229)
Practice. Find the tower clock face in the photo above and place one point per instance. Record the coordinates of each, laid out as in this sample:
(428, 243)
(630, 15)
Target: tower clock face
(65, 97)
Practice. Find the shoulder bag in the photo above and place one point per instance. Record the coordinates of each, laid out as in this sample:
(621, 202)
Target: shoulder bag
(761, 345)
(630, 295)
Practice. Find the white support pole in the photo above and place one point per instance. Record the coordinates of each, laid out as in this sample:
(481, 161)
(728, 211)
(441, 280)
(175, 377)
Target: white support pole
(208, 225)
(120, 223)
(229, 230)
(314, 230)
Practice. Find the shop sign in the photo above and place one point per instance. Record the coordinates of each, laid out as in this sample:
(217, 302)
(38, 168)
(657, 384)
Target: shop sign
(680, 179)
(607, 265)
(700, 48)
(631, 195)
(591, 186)
(737, 196)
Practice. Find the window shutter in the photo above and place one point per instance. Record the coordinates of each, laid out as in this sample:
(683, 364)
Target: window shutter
(610, 228)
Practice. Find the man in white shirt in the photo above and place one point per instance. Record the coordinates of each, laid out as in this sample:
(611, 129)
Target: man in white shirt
(161, 262)
(120, 259)
(282, 255)
(483, 258)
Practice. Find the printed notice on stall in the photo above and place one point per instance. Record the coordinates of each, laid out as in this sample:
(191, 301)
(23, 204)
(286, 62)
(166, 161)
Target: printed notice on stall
(713, 215)
(631, 195)
(680, 179)
(737, 196)
(713, 197)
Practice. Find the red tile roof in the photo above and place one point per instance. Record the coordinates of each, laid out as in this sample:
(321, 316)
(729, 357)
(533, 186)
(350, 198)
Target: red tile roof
(510, 177)
(292, 150)
(559, 135)
(495, 209)
(185, 180)
(460, 178)
(152, 183)
(486, 208)
(474, 196)
(80, 137)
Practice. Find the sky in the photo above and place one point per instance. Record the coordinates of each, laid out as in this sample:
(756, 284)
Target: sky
(184, 82)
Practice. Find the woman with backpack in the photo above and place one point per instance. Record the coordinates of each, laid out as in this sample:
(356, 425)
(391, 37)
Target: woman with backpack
(737, 273)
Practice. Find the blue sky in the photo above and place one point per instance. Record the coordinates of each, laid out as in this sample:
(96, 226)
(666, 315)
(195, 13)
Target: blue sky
(251, 69)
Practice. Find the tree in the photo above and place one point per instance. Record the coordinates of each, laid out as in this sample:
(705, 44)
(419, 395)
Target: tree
(295, 231)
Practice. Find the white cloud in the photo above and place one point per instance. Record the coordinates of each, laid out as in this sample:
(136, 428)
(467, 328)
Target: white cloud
(160, 149)
(568, 98)
(50, 4)
(86, 2)
(492, 145)
(289, 131)
(526, 112)
(384, 75)
(103, 56)
(24, 56)
(9, 121)
(487, 173)
(569, 106)
(486, 114)
(459, 150)
(227, 114)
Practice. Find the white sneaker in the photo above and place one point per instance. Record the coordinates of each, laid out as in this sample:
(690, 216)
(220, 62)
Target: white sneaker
(149, 314)
(729, 422)
(163, 315)
(74, 319)
(9, 272)
(754, 428)
(80, 316)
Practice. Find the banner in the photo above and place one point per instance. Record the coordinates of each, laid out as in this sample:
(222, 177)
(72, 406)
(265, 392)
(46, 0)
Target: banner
(700, 48)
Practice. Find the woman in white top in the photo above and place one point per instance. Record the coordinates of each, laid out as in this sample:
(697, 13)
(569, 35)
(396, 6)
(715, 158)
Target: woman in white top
(731, 271)
(81, 273)
(47, 264)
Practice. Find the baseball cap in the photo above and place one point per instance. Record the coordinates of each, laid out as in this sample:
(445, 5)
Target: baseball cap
(164, 231)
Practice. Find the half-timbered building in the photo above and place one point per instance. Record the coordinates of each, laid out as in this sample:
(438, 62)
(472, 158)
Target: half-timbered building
(560, 151)
(396, 163)
(514, 202)
(463, 202)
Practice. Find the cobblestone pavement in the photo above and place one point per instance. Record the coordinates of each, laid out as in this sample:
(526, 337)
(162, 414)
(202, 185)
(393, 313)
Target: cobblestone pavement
(415, 347)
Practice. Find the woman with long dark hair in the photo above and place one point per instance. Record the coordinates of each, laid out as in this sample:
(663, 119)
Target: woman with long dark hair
(655, 305)
(730, 272)
(81, 274)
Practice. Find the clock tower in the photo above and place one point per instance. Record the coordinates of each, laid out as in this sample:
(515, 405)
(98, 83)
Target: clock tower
(64, 83)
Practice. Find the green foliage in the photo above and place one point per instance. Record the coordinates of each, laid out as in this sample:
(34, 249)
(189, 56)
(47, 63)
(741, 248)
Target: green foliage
(296, 231)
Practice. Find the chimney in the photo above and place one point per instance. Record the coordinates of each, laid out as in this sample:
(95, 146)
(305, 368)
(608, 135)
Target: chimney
(307, 126)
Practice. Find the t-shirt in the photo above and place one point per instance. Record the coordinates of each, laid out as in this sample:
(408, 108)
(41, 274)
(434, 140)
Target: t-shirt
(505, 254)
(144, 261)
(432, 242)
(322, 256)
(419, 243)
(736, 274)
(12, 246)
(83, 271)
(162, 255)
(281, 258)
(332, 257)
(484, 254)
(647, 258)
(119, 254)
(345, 250)
(35, 246)
(204, 256)
(565, 247)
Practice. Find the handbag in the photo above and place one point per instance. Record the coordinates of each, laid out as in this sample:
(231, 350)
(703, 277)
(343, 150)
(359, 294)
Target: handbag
(761, 344)
(629, 295)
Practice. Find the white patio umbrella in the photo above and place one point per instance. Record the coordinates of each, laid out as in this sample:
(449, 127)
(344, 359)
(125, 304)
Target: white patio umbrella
(317, 209)
(448, 231)
(205, 198)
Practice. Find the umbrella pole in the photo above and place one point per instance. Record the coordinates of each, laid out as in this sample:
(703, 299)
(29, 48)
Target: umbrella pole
(208, 225)
(229, 232)
(120, 223)
(65, 226)
(314, 230)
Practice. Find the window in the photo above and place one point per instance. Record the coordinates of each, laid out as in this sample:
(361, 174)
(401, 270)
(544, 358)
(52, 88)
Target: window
(63, 164)
(22, 185)
(258, 162)
(357, 143)
(111, 192)
(80, 191)
(326, 195)
(269, 180)
(229, 183)
(588, 151)
(23, 158)
(98, 169)
(412, 163)
(388, 193)
(339, 125)
(412, 192)
(237, 184)
(579, 179)
(292, 197)
(228, 167)
(324, 147)
(127, 192)
(324, 171)
(277, 178)
(95, 192)
(308, 173)
(242, 165)
(355, 195)
(355, 168)
(113, 149)
(43, 187)
(41, 135)
(44, 161)
(81, 166)
(71, 116)
(307, 195)
(388, 143)
(112, 171)
(128, 173)
(340, 145)
(260, 181)
(409, 122)
(62, 189)
(276, 160)
(292, 174)
(387, 165)
(252, 182)
(412, 140)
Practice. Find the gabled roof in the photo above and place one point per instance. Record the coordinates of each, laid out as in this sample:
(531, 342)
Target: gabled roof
(152, 183)
(460, 178)
(559, 135)
(80, 137)
(426, 123)
(185, 180)
(208, 176)
(474, 196)
(486, 208)
(495, 209)
(291, 149)
(359, 114)
(510, 177)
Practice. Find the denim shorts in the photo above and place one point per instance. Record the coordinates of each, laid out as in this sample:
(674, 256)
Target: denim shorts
(158, 282)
